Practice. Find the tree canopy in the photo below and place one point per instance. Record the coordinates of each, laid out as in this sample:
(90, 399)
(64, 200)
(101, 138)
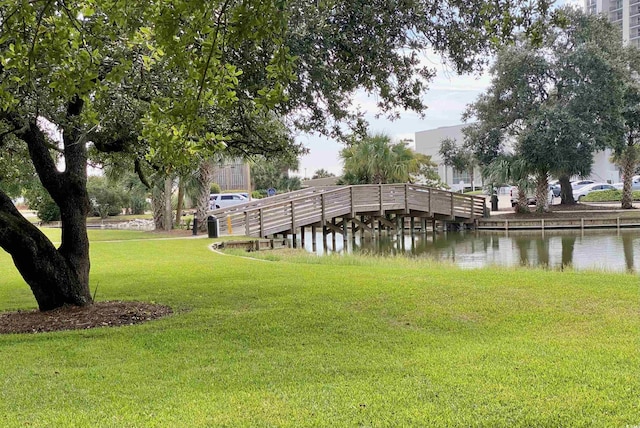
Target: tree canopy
(161, 82)
(375, 159)
(555, 103)
(458, 156)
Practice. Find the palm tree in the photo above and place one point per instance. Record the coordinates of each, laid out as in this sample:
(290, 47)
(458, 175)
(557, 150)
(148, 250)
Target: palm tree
(322, 173)
(375, 159)
(627, 159)
(509, 169)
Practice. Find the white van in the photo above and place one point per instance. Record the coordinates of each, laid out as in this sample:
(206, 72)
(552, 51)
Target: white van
(224, 200)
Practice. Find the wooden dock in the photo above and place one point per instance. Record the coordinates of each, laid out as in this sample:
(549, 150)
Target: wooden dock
(359, 208)
(609, 222)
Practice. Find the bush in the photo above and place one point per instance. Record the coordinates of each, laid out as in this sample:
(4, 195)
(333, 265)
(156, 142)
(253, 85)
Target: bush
(215, 188)
(106, 199)
(48, 211)
(38, 199)
(138, 204)
(608, 196)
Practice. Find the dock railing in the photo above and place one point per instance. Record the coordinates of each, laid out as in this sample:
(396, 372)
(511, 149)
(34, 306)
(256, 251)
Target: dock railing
(320, 205)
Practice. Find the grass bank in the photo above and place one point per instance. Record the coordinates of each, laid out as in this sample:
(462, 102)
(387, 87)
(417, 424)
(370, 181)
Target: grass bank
(345, 342)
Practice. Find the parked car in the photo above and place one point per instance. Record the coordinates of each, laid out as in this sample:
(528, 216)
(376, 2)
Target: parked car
(588, 188)
(580, 183)
(515, 193)
(531, 197)
(224, 200)
(635, 183)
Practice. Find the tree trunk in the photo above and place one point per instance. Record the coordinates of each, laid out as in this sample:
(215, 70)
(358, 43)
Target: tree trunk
(628, 168)
(542, 192)
(205, 177)
(628, 161)
(59, 276)
(522, 206)
(157, 203)
(566, 191)
(168, 209)
(179, 206)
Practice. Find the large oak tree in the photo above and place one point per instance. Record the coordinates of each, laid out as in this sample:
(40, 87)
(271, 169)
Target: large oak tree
(159, 82)
(554, 103)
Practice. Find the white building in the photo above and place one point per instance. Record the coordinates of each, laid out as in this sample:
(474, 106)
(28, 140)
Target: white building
(428, 142)
(625, 13)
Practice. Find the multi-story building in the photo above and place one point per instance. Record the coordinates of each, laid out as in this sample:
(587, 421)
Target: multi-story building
(625, 13)
(428, 142)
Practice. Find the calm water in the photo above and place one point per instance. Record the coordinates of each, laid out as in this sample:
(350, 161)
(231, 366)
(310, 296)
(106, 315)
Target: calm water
(607, 250)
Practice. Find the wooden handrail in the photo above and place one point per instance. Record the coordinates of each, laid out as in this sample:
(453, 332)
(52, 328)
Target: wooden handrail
(287, 212)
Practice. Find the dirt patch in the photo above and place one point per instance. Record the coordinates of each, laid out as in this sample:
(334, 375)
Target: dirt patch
(100, 314)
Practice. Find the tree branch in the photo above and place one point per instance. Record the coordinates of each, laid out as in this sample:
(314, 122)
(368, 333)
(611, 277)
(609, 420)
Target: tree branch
(138, 169)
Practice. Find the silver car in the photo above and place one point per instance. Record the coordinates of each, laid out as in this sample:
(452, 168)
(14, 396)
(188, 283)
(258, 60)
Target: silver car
(224, 200)
(588, 188)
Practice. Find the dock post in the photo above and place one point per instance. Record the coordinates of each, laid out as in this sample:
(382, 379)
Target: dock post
(345, 227)
(314, 246)
(324, 238)
(354, 230)
(333, 233)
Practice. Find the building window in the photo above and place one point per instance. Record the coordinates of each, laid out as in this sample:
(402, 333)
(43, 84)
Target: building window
(459, 176)
(616, 16)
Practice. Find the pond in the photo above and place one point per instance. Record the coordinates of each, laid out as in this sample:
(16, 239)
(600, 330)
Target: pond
(603, 250)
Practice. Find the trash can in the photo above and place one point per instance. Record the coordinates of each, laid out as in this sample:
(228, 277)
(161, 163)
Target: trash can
(212, 227)
(494, 202)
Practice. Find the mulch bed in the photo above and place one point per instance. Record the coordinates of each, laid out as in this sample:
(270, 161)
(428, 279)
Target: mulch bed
(100, 314)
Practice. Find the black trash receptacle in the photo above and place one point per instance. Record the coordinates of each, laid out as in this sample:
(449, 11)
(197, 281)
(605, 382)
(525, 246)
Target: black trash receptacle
(494, 202)
(212, 227)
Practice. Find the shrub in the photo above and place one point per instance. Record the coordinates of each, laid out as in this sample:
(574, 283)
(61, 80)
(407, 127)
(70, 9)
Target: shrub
(38, 199)
(48, 211)
(138, 203)
(608, 196)
(603, 196)
(106, 199)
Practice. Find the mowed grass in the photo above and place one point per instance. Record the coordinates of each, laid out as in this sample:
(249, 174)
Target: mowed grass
(347, 342)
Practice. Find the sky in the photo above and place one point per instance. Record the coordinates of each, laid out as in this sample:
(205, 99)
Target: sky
(446, 98)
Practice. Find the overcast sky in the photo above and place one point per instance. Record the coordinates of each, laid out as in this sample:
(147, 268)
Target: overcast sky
(446, 99)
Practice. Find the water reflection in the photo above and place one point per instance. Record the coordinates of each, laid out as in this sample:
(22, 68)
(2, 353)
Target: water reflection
(601, 250)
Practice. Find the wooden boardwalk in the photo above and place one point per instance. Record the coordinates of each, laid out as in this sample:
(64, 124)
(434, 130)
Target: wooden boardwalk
(604, 222)
(365, 208)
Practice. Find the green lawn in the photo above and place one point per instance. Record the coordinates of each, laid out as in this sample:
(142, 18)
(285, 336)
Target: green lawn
(337, 342)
